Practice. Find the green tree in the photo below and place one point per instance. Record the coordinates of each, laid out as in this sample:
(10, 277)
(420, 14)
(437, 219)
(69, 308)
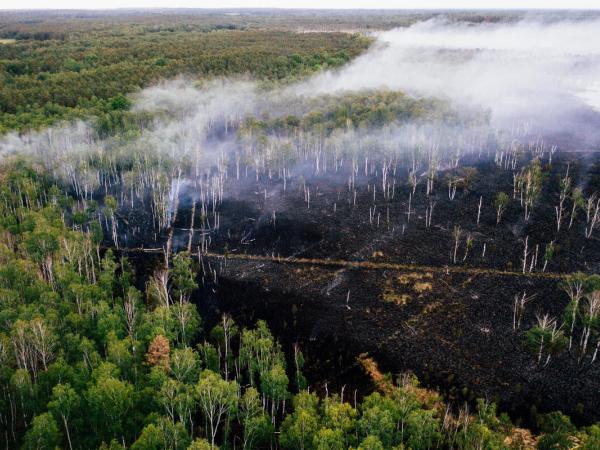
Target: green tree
(120, 102)
(188, 320)
(43, 433)
(423, 429)
(379, 422)
(209, 356)
(41, 245)
(223, 333)
(340, 416)
(591, 438)
(257, 426)
(64, 402)
(110, 401)
(217, 398)
(151, 438)
(184, 278)
(299, 428)
(202, 444)
(556, 431)
(328, 439)
(274, 384)
(371, 443)
(502, 201)
(184, 365)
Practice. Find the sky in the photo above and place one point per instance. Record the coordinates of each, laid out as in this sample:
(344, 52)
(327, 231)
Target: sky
(334, 4)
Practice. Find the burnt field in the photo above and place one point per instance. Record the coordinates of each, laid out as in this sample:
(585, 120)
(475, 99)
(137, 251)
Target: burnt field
(362, 224)
(347, 271)
(453, 330)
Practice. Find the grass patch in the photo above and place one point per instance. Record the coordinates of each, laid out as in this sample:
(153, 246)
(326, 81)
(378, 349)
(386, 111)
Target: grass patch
(393, 297)
(421, 287)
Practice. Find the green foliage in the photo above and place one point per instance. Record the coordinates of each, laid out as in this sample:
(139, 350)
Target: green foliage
(557, 429)
(371, 443)
(328, 439)
(184, 279)
(216, 397)
(89, 71)
(257, 426)
(299, 428)
(151, 439)
(423, 429)
(43, 434)
(274, 383)
(201, 444)
(370, 109)
(110, 400)
(378, 421)
(591, 438)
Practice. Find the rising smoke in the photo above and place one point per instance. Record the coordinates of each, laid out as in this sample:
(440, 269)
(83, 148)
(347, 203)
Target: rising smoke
(543, 72)
(527, 72)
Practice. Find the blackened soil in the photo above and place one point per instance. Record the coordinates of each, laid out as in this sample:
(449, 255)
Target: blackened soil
(260, 217)
(454, 331)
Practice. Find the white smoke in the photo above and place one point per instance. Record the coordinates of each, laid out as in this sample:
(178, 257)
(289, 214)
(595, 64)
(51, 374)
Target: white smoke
(543, 72)
(529, 71)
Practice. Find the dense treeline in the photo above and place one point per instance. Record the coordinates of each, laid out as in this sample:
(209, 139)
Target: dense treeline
(44, 81)
(61, 24)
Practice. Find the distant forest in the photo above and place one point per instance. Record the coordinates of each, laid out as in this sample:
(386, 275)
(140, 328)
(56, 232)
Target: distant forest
(67, 65)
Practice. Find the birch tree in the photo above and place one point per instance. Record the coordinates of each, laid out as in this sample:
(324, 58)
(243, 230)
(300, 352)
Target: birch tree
(216, 398)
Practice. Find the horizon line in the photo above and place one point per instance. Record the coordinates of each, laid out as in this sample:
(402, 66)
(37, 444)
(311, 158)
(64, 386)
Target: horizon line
(268, 8)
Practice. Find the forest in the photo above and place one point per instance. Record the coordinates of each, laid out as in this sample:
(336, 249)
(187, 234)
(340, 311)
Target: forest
(217, 230)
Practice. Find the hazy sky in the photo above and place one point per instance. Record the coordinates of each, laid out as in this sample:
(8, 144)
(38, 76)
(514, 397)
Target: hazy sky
(371, 4)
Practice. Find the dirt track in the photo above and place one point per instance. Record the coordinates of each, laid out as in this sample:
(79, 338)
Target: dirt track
(369, 265)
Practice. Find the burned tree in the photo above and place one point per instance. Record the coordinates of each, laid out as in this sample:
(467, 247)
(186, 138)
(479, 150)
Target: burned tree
(546, 338)
(565, 188)
(502, 201)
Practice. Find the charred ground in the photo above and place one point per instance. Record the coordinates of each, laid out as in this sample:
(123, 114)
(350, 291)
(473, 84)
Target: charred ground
(405, 301)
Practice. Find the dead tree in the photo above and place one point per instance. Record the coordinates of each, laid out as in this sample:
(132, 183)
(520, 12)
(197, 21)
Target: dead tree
(525, 253)
(456, 234)
(131, 310)
(43, 341)
(429, 212)
(453, 183)
(519, 303)
(158, 288)
(413, 181)
(565, 188)
(191, 233)
(574, 289)
(593, 214)
(590, 315)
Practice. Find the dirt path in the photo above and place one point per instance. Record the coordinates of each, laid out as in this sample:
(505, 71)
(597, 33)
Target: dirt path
(370, 265)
